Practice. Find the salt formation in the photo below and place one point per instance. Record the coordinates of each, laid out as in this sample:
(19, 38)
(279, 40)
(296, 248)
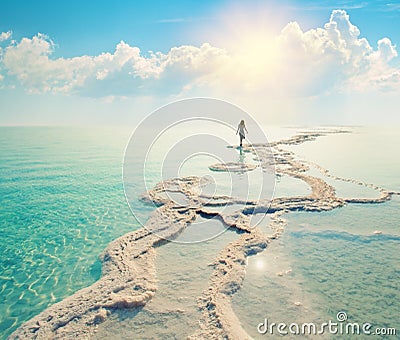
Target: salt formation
(128, 272)
(232, 167)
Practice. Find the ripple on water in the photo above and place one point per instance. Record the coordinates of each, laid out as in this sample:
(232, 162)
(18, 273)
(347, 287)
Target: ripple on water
(62, 202)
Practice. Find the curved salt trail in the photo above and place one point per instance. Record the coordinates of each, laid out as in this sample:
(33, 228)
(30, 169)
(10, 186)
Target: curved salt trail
(218, 318)
(128, 279)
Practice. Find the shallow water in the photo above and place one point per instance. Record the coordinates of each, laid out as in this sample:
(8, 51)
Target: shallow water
(369, 154)
(62, 202)
(288, 186)
(345, 189)
(335, 260)
(273, 290)
(348, 267)
(182, 273)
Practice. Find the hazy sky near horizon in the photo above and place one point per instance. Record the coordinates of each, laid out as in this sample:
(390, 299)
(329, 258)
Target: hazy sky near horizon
(284, 62)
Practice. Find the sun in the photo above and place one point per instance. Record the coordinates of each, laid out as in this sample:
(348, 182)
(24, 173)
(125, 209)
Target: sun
(252, 40)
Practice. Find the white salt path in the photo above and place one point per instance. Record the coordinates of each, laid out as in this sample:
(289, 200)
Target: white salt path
(129, 274)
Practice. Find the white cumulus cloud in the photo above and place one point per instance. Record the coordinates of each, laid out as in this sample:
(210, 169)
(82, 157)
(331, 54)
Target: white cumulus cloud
(332, 58)
(296, 62)
(126, 70)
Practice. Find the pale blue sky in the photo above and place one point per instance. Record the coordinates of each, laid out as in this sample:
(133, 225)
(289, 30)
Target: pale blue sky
(43, 82)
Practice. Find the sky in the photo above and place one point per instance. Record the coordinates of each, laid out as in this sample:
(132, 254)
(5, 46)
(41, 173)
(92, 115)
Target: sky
(284, 62)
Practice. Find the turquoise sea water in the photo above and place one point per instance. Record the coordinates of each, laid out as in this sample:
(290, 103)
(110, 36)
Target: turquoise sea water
(62, 202)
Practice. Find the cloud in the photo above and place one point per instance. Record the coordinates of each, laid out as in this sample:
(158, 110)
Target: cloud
(311, 7)
(386, 51)
(323, 59)
(392, 7)
(126, 71)
(5, 36)
(327, 59)
(332, 58)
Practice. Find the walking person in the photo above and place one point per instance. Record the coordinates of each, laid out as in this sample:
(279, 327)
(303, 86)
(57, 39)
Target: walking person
(241, 129)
